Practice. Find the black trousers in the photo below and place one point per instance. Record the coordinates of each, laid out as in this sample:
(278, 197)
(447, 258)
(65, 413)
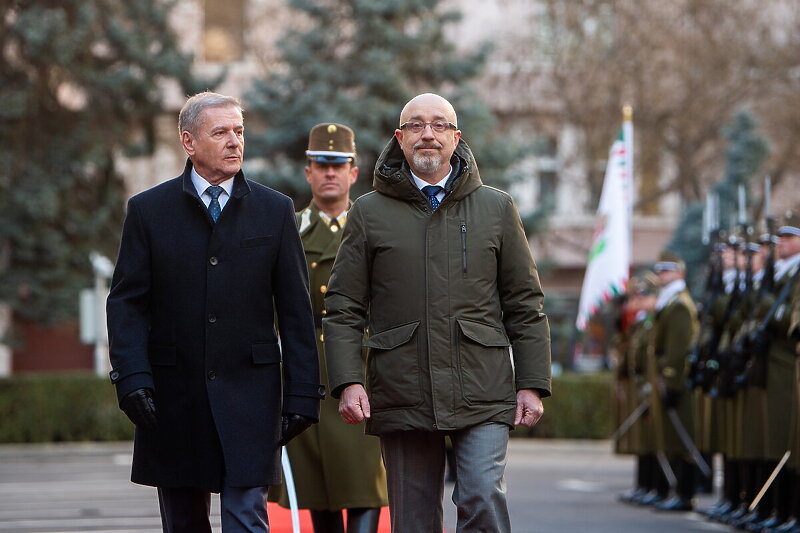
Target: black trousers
(187, 510)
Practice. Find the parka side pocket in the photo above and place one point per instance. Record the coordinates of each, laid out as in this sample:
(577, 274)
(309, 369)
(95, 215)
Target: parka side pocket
(393, 378)
(484, 363)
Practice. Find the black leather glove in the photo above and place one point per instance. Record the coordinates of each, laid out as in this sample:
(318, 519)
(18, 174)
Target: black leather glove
(292, 425)
(139, 407)
(671, 399)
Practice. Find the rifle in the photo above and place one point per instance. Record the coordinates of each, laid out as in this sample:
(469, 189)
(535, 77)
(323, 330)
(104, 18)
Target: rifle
(718, 360)
(704, 349)
(747, 366)
(758, 339)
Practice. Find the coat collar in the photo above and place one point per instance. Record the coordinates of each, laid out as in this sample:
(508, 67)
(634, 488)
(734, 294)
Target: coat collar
(393, 176)
(240, 186)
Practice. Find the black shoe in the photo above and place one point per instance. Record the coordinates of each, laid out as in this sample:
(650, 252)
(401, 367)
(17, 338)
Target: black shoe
(768, 523)
(734, 515)
(746, 520)
(632, 495)
(652, 498)
(790, 526)
(675, 503)
(718, 508)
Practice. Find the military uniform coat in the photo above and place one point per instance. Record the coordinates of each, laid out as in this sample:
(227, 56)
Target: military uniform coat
(335, 465)
(190, 315)
(794, 337)
(444, 294)
(642, 437)
(780, 375)
(674, 331)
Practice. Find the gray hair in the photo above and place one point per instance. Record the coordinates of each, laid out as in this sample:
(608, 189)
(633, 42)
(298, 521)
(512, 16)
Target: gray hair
(189, 117)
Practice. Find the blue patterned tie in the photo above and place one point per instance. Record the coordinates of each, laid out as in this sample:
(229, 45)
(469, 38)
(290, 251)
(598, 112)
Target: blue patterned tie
(431, 191)
(214, 208)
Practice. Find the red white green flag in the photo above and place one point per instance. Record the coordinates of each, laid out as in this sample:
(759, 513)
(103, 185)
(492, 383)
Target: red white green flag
(608, 266)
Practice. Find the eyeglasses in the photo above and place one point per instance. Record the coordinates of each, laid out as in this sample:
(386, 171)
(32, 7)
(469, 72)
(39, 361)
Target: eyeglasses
(439, 126)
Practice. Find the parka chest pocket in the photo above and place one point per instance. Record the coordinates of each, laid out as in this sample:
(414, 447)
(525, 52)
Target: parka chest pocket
(393, 377)
(484, 363)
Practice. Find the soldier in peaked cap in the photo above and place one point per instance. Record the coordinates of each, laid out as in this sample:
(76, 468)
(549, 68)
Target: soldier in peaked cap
(642, 298)
(674, 330)
(336, 466)
(780, 349)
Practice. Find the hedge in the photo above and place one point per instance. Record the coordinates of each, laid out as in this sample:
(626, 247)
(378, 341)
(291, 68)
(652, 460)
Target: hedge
(80, 407)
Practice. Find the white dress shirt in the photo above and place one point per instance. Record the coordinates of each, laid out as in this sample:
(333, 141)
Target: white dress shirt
(200, 184)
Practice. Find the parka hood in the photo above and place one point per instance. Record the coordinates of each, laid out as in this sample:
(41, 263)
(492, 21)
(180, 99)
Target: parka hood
(393, 175)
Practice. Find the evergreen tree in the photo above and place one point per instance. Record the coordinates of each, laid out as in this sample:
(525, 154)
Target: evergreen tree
(746, 151)
(79, 82)
(358, 62)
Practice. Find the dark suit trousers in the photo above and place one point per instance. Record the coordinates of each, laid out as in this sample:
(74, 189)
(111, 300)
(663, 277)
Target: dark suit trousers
(415, 478)
(187, 510)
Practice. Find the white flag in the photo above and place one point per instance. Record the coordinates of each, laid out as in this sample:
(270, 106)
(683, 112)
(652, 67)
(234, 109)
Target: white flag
(608, 266)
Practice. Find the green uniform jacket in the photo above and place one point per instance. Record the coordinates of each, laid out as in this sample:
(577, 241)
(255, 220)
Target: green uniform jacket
(674, 332)
(794, 336)
(642, 439)
(780, 375)
(444, 294)
(335, 466)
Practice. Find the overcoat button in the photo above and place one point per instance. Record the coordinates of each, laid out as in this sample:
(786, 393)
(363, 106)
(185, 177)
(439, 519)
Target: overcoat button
(323, 289)
(322, 338)
(213, 260)
(212, 375)
(115, 375)
(212, 318)
(314, 264)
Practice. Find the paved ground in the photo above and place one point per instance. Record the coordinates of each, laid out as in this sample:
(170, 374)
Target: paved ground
(554, 486)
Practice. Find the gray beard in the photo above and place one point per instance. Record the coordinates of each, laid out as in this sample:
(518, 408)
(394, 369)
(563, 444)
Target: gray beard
(427, 164)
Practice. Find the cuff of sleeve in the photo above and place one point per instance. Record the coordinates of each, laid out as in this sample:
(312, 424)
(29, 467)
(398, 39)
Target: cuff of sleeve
(310, 390)
(302, 405)
(337, 392)
(541, 385)
(126, 385)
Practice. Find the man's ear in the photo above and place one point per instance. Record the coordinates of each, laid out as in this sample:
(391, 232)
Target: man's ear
(398, 134)
(458, 137)
(307, 170)
(188, 142)
(353, 175)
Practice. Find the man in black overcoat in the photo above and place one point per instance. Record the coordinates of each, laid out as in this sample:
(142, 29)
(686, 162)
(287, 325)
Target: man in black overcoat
(206, 263)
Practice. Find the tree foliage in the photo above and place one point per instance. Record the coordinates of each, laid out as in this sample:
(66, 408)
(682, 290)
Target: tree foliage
(686, 67)
(79, 82)
(358, 62)
(744, 156)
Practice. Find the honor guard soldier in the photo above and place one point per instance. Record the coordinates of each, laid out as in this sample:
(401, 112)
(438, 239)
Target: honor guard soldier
(781, 382)
(674, 332)
(649, 480)
(335, 466)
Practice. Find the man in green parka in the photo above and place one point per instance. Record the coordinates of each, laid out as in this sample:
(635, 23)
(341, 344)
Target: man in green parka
(335, 466)
(437, 266)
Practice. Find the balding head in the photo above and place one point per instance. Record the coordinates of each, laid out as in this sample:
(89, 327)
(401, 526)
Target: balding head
(428, 152)
(428, 101)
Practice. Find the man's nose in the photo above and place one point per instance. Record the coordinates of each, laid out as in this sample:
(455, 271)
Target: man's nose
(427, 132)
(234, 140)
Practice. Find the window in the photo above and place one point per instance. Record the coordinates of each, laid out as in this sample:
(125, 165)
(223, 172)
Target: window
(223, 30)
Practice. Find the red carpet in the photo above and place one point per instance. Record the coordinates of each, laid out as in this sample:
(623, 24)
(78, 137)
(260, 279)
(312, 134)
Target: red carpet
(280, 520)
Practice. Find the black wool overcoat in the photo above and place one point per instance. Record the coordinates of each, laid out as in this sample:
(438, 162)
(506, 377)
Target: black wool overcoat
(191, 315)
